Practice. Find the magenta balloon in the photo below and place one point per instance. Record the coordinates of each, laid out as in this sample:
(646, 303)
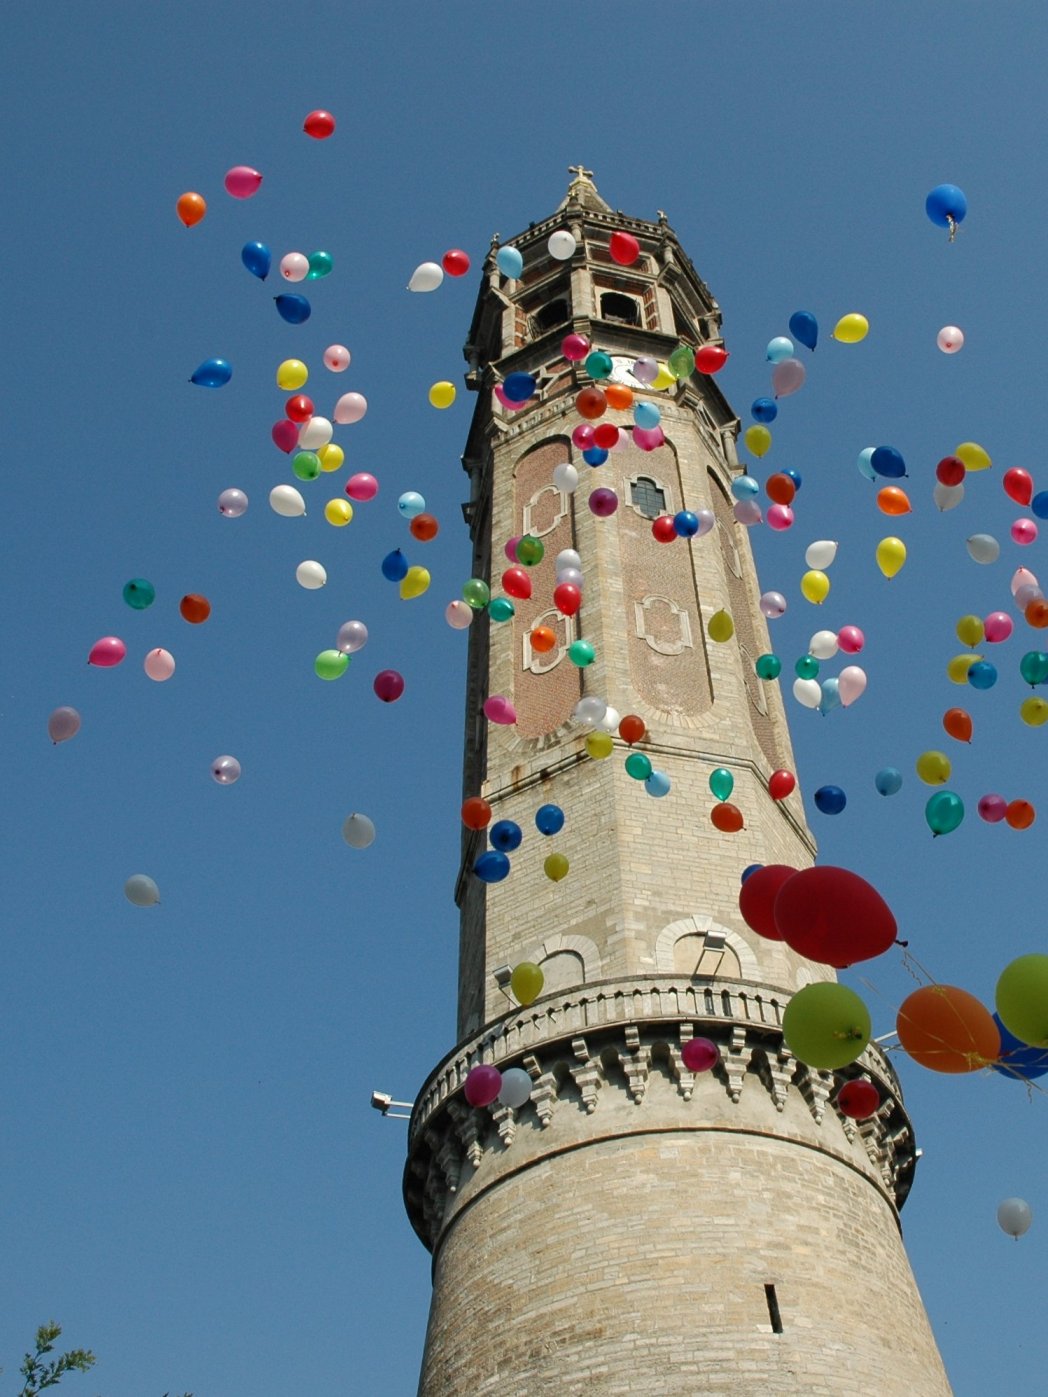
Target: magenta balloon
(997, 627)
(648, 438)
(700, 1054)
(63, 724)
(388, 685)
(850, 639)
(285, 434)
(159, 665)
(779, 517)
(511, 548)
(508, 403)
(992, 809)
(603, 503)
(483, 1085)
(107, 652)
(498, 709)
(242, 181)
(787, 376)
(351, 407)
(362, 486)
(1024, 531)
(582, 436)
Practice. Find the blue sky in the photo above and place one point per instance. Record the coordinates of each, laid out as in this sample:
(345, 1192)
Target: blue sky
(194, 1184)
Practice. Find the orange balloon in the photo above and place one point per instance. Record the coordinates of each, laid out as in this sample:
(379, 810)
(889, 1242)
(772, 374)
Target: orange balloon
(1036, 613)
(591, 403)
(947, 1030)
(632, 728)
(958, 724)
(476, 813)
(780, 488)
(424, 527)
(543, 639)
(191, 208)
(195, 608)
(893, 500)
(618, 395)
(727, 818)
(1020, 814)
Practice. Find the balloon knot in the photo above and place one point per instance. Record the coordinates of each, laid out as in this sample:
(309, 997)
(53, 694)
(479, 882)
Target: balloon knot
(904, 944)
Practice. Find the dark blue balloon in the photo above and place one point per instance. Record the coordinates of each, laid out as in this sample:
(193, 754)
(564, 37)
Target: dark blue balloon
(549, 819)
(764, 410)
(1018, 1060)
(505, 835)
(595, 456)
(294, 309)
(982, 675)
(491, 867)
(888, 780)
(795, 476)
(256, 258)
(1039, 505)
(519, 387)
(394, 566)
(946, 205)
(686, 524)
(750, 868)
(888, 462)
(212, 373)
(804, 327)
(831, 800)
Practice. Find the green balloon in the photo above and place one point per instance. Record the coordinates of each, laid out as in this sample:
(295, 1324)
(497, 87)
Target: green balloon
(581, 653)
(1022, 999)
(477, 592)
(638, 766)
(320, 265)
(598, 364)
(807, 667)
(501, 609)
(1034, 667)
(530, 550)
(826, 1025)
(331, 664)
(722, 782)
(138, 593)
(944, 812)
(306, 465)
(768, 666)
(681, 362)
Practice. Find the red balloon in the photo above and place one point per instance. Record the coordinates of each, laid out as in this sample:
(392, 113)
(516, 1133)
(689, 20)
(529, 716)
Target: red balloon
(455, 262)
(319, 125)
(727, 818)
(299, 408)
(1018, 486)
(591, 403)
(567, 598)
(606, 435)
(757, 898)
(699, 1054)
(858, 1099)
(780, 488)
(516, 583)
(632, 729)
(424, 527)
(951, 470)
(194, 608)
(710, 359)
(388, 685)
(624, 248)
(781, 784)
(834, 916)
(664, 529)
(476, 813)
(285, 434)
(1020, 814)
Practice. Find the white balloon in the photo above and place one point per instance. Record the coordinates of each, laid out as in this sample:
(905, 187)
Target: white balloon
(141, 890)
(315, 433)
(159, 665)
(706, 519)
(1022, 577)
(611, 720)
(336, 358)
(310, 575)
(820, 555)
(947, 496)
(773, 605)
(516, 1087)
(571, 575)
(225, 770)
(983, 548)
(1013, 1215)
(353, 636)
(1025, 595)
(351, 407)
(561, 245)
(950, 339)
(565, 478)
(807, 692)
(427, 276)
(294, 267)
(568, 558)
(358, 831)
(851, 684)
(589, 710)
(458, 615)
(285, 500)
(823, 645)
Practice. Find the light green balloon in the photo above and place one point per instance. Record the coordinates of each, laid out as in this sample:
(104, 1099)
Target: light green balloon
(826, 1025)
(306, 465)
(331, 664)
(1022, 999)
(530, 550)
(681, 362)
(476, 592)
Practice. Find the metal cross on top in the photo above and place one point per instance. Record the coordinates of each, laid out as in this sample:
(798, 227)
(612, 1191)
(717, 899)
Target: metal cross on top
(580, 172)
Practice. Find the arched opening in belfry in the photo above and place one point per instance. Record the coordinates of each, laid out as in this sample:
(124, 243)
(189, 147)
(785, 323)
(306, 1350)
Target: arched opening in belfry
(698, 955)
(615, 306)
(562, 971)
(553, 313)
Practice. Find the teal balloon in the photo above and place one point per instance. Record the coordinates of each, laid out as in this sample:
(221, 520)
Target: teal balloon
(944, 812)
(1034, 667)
(320, 265)
(722, 782)
(598, 364)
(768, 667)
(257, 259)
(581, 653)
(501, 609)
(638, 766)
(138, 593)
(212, 373)
(807, 667)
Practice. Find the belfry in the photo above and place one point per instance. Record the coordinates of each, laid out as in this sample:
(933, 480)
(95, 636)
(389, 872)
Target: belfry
(636, 1227)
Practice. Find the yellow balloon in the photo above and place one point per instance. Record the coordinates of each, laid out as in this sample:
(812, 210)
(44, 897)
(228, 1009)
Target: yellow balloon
(1034, 712)
(850, 329)
(442, 394)
(975, 457)
(757, 439)
(933, 768)
(959, 666)
(338, 512)
(891, 554)
(414, 582)
(331, 456)
(526, 982)
(556, 867)
(663, 379)
(815, 587)
(600, 745)
(721, 627)
(291, 374)
(970, 630)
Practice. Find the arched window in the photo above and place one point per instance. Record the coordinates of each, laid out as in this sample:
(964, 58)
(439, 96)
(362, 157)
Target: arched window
(551, 314)
(647, 498)
(615, 306)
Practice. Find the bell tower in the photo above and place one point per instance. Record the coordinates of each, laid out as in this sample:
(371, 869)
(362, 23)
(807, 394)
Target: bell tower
(634, 1226)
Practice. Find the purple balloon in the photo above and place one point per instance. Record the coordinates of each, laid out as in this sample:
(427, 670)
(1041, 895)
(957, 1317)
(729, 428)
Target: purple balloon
(603, 503)
(63, 724)
(787, 376)
(483, 1085)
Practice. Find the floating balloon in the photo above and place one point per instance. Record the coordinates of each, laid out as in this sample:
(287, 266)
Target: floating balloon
(225, 770)
(958, 724)
(969, 630)
(721, 627)
(859, 1100)
(338, 513)
(388, 685)
(337, 358)
(362, 487)
(947, 496)
(455, 262)
(1034, 712)
(414, 583)
(351, 407)
(757, 898)
(319, 125)
(725, 817)
(442, 394)
(549, 819)
(555, 867)
(476, 813)
(506, 836)
(212, 373)
(191, 208)
(772, 605)
(159, 665)
(491, 867)
(139, 594)
(982, 675)
(787, 376)
(951, 470)
(285, 434)
(747, 513)
(826, 1025)
(242, 181)
(358, 831)
(320, 266)
(1019, 814)
(852, 328)
(1022, 999)
(944, 812)
(833, 916)
(624, 248)
(778, 349)
(482, 1085)
(852, 684)
(63, 724)
(767, 667)
(831, 800)
(823, 645)
(864, 463)
(1018, 1060)
(820, 555)
(933, 768)
(1024, 532)
(947, 1029)
(974, 456)
(427, 276)
(721, 782)
(306, 465)
(779, 517)
(257, 258)
(710, 359)
(888, 462)
(997, 627)
(107, 652)
(780, 488)
(296, 310)
(516, 1088)
(950, 339)
(294, 266)
(311, 575)
(815, 587)
(498, 709)
(1014, 1216)
(141, 890)
(891, 555)
(807, 692)
(850, 639)
(352, 636)
(603, 503)
(781, 784)
(946, 206)
(509, 262)
(888, 781)
(458, 615)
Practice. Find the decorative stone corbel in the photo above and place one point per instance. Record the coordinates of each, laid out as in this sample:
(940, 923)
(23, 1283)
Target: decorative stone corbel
(735, 1061)
(464, 1119)
(587, 1075)
(636, 1063)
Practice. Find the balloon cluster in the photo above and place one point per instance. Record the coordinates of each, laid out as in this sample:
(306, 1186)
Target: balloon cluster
(506, 836)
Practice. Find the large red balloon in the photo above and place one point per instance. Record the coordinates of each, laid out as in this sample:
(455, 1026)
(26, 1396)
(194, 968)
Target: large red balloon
(710, 359)
(951, 470)
(834, 916)
(781, 784)
(858, 1099)
(624, 248)
(516, 583)
(567, 598)
(757, 898)
(1018, 485)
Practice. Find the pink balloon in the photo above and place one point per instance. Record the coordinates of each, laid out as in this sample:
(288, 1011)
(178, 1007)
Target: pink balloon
(458, 615)
(700, 1054)
(747, 512)
(511, 548)
(574, 347)
(850, 639)
(508, 403)
(351, 407)
(242, 181)
(623, 441)
(159, 665)
(294, 266)
(779, 517)
(1022, 577)
(285, 434)
(107, 652)
(362, 486)
(992, 809)
(851, 683)
(648, 438)
(998, 626)
(787, 376)
(483, 1085)
(499, 710)
(1024, 531)
(336, 358)
(582, 436)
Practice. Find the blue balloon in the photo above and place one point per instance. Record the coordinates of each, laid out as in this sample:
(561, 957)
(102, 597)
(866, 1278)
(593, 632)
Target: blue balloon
(294, 309)
(804, 327)
(831, 800)
(686, 524)
(888, 462)
(946, 205)
(509, 262)
(491, 867)
(744, 487)
(778, 349)
(394, 566)
(888, 780)
(831, 697)
(595, 456)
(865, 468)
(549, 819)
(764, 410)
(1019, 1060)
(505, 835)
(212, 373)
(748, 870)
(257, 258)
(647, 416)
(519, 387)
(657, 784)
(982, 675)
(1039, 505)
(795, 476)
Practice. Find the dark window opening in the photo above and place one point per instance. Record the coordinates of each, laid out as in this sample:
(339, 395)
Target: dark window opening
(553, 313)
(773, 1309)
(646, 497)
(624, 309)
